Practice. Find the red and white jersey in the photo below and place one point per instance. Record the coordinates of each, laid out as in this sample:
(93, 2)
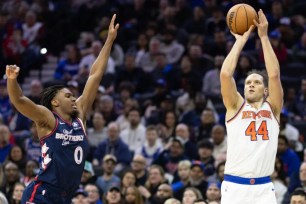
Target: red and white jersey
(252, 142)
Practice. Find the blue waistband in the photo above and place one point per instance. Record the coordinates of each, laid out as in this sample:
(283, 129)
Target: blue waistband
(247, 181)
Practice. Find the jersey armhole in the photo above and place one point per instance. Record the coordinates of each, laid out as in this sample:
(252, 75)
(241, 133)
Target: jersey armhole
(231, 119)
(48, 135)
(273, 112)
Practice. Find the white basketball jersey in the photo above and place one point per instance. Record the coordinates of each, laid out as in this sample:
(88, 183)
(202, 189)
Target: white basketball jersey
(252, 142)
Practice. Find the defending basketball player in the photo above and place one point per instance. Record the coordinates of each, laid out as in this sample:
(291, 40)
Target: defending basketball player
(60, 125)
(252, 124)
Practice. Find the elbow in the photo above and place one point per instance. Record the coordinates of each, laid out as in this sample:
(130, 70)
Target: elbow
(225, 74)
(275, 75)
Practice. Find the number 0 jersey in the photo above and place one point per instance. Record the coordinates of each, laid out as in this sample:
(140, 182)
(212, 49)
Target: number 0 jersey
(252, 142)
(63, 155)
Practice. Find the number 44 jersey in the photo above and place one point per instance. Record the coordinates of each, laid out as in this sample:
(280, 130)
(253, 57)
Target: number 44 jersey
(64, 152)
(252, 142)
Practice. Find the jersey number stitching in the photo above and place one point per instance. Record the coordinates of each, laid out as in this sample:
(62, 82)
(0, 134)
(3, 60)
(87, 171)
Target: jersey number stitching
(262, 130)
(78, 155)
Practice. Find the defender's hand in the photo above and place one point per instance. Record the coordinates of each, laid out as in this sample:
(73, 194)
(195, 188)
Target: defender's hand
(112, 30)
(12, 71)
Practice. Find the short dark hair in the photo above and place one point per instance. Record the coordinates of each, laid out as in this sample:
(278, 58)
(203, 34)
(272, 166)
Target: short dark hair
(262, 73)
(48, 94)
(283, 137)
(205, 144)
(299, 192)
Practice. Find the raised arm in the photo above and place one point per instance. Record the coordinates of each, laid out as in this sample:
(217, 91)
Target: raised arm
(85, 101)
(39, 114)
(275, 97)
(231, 98)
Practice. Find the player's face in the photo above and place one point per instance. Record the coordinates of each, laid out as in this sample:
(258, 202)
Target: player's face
(254, 89)
(67, 102)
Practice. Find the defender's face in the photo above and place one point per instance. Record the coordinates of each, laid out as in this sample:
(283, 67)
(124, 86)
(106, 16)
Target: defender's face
(254, 89)
(66, 100)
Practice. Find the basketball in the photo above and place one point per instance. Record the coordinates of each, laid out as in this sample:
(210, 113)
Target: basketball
(240, 17)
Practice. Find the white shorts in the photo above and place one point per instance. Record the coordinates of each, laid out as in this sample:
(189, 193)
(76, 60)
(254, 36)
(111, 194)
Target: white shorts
(233, 193)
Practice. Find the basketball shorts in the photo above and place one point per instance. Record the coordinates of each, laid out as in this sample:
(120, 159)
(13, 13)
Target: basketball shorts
(240, 190)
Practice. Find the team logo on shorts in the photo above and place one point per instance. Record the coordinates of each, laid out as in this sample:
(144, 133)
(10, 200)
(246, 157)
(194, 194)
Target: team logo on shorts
(252, 181)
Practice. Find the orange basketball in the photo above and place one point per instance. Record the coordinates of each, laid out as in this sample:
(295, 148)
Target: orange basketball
(240, 17)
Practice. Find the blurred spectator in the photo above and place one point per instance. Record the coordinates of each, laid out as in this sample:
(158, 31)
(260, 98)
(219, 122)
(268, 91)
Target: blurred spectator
(107, 107)
(290, 159)
(3, 199)
(172, 201)
(169, 121)
(122, 120)
(213, 192)
(301, 101)
(17, 155)
(93, 194)
(219, 140)
(156, 177)
(278, 47)
(87, 61)
(73, 86)
(35, 90)
(188, 78)
(139, 167)
(152, 146)
(190, 195)
(115, 146)
(205, 150)
(190, 148)
(298, 196)
(133, 196)
(108, 178)
(245, 64)
(163, 193)
(17, 193)
(128, 178)
(68, 68)
(32, 29)
(279, 183)
(113, 195)
(147, 61)
(98, 132)
(88, 176)
(18, 124)
(184, 175)
(80, 197)
(170, 158)
(135, 135)
(197, 176)
(216, 22)
(203, 131)
(5, 146)
(5, 105)
(291, 132)
(141, 48)
(129, 72)
(171, 48)
(31, 171)
(185, 110)
(196, 24)
(211, 81)
(32, 145)
(11, 177)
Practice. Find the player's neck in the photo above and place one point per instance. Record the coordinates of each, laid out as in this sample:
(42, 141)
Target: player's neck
(64, 116)
(256, 104)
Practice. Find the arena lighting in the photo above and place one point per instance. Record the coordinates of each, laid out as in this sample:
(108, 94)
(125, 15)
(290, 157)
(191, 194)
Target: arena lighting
(43, 51)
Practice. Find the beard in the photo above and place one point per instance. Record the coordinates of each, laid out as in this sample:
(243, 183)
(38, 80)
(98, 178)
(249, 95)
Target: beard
(74, 114)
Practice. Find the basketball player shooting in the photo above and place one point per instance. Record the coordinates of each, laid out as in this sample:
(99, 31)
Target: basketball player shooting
(60, 123)
(252, 124)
